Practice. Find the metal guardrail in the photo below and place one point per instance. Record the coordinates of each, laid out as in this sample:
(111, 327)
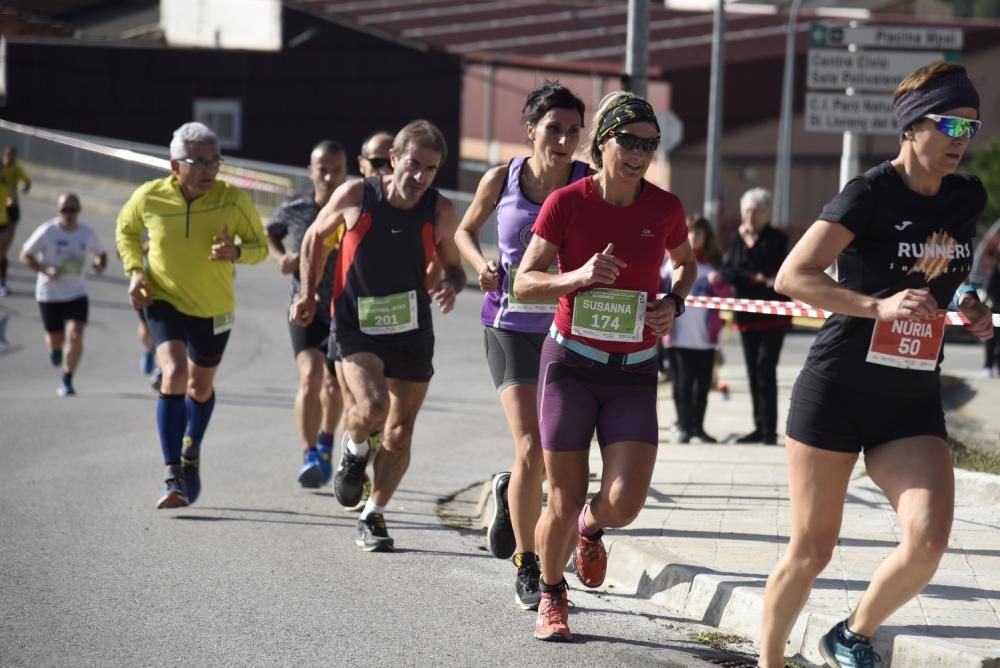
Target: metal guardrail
(103, 157)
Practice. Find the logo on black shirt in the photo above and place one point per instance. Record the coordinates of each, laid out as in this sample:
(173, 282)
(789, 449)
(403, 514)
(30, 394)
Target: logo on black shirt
(933, 256)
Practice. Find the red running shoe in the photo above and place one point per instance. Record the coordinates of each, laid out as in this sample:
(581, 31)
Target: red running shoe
(590, 561)
(552, 622)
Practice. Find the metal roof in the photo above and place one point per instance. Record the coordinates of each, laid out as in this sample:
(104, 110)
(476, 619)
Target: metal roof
(580, 35)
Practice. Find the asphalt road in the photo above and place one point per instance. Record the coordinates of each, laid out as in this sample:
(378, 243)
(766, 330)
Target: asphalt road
(258, 571)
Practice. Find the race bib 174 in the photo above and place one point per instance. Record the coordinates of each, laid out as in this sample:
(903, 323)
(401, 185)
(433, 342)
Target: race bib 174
(607, 314)
(907, 344)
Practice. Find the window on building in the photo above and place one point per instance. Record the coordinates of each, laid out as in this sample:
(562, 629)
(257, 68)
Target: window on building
(224, 116)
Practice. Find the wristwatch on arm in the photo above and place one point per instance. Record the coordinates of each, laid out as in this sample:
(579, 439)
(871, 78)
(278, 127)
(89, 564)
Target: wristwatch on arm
(678, 304)
(965, 294)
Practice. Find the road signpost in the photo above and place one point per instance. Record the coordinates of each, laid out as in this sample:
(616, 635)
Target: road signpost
(849, 89)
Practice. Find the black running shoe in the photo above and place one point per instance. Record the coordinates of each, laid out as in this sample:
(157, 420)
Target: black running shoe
(192, 478)
(372, 534)
(500, 533)
(349, 479)
(526, 588)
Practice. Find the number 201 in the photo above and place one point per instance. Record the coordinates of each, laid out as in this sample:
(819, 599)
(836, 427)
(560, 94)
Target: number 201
(386, 320)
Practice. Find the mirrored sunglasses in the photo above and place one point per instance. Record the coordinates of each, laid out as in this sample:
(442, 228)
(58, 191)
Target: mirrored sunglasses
(631, 142)
(955, 126)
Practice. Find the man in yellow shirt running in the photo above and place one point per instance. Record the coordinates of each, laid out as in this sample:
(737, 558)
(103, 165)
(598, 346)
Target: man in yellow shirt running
(193, 222)
(12, 174)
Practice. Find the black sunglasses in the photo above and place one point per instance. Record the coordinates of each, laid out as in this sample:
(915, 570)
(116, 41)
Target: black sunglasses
(631, 142)
(69, 209)
(378, 163)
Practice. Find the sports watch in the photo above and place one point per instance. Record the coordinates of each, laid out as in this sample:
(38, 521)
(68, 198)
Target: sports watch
(678, 304)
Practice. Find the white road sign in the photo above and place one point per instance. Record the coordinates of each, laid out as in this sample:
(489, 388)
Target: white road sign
(833, 69)
(887, 37)
(837, 112)
(671, 130)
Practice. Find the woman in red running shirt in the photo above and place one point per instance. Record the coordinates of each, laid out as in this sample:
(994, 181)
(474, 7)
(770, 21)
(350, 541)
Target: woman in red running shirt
(609, 232)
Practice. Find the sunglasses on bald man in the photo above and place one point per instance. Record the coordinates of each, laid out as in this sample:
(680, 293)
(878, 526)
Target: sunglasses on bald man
(378, 163)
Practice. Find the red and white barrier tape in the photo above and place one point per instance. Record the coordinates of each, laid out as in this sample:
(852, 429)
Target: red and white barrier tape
(797, 309)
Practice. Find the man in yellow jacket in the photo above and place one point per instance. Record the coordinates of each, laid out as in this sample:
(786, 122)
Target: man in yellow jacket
(192, 222)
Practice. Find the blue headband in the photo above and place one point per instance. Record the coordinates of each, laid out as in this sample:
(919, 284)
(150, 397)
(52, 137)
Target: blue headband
(940, 94)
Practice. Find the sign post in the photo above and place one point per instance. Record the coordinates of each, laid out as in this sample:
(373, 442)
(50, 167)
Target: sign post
(864, 79)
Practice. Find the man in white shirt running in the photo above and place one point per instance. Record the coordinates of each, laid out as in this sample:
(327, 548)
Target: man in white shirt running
(58, 250)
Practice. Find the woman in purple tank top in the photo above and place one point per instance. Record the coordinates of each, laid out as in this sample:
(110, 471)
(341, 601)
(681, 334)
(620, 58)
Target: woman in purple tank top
(515, 330)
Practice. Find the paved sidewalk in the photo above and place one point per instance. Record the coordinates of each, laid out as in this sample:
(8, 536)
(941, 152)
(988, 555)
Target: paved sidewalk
(716, 522)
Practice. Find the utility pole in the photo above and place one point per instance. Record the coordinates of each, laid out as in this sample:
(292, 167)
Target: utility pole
(715, 114)
(781, 207)
(637, 47)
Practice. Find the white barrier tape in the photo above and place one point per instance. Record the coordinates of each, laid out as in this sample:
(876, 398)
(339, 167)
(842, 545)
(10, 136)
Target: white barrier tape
(796, 309)
(238, 177)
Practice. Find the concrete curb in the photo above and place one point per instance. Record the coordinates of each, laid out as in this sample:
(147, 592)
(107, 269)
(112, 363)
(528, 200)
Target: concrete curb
(977, 487)
(734, 603)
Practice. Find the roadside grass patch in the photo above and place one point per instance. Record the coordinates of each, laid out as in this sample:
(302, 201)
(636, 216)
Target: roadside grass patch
(973, 460)
(718, 640)
(984, 462)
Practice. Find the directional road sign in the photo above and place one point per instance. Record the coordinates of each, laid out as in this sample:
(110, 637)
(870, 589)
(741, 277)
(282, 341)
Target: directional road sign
(835, 69)
(887, 37)
(837, 112)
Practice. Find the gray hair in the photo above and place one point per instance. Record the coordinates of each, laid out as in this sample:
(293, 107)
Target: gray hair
(760, 196)
(191, 133)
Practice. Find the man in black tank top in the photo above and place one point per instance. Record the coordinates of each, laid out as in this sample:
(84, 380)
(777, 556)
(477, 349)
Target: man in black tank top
(382, 311)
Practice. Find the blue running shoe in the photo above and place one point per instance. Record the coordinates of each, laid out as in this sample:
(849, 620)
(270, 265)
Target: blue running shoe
(65, 389)
(325, 453)
(55, 356)
(310, 475)
(148, 362)
(838, 655)
(173, 495)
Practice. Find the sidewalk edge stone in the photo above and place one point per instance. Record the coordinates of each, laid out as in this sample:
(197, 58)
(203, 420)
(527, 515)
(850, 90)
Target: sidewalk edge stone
(734, 603)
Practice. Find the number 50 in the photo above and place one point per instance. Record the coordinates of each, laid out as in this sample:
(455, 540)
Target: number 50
(909, 346)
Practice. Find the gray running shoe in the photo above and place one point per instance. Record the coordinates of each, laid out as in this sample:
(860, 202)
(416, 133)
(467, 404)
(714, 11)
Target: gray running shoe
(372, 534)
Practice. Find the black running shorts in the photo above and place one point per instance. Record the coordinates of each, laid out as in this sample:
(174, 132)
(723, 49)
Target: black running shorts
(512, 356)
(405, 357)
(314, 335)
(204, 346)
(55, 314)
(835, 417)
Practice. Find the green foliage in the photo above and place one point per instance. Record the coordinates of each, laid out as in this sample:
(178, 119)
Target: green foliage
(986, 9)
(985, 164)
(718, 640)
(971, 460)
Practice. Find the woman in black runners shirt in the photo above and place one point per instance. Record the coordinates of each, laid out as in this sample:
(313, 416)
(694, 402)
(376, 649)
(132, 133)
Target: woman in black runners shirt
(902, 237)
